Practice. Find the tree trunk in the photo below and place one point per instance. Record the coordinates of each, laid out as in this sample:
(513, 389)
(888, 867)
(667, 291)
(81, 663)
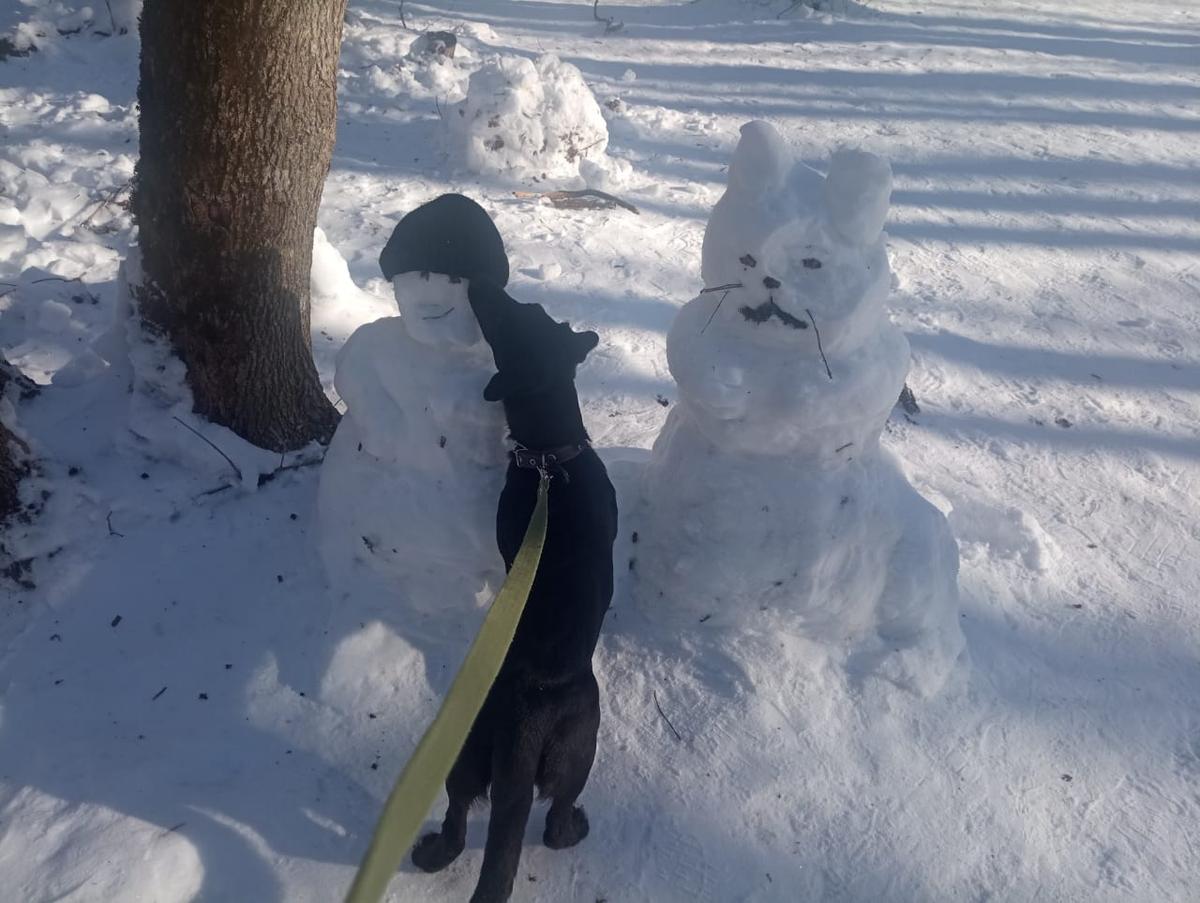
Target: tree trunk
(14, 452)
(238, 112)
(10, 474)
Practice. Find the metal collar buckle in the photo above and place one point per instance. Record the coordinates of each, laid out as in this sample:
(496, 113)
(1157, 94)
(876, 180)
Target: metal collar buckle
(546, 462)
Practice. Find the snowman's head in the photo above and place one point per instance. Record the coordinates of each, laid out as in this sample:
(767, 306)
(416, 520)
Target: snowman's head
(434, 251)
(534, 354)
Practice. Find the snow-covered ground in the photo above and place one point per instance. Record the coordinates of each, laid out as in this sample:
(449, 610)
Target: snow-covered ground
(189, 712)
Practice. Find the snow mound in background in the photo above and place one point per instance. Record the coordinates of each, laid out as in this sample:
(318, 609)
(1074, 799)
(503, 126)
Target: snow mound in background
(408, 488)
(329, 279)
(423, 73)
(51, 20)
(528, 120)
(769, 502)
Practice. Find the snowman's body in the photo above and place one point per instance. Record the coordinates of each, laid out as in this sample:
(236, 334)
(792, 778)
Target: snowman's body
(409, 485)
(769, 502)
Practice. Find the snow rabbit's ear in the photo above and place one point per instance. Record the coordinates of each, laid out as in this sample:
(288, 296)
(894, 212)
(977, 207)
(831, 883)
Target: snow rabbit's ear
(760, 162)
(858, 192)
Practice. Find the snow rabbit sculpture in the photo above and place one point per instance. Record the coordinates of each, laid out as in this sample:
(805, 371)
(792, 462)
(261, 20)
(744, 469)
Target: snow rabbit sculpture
(769, 503)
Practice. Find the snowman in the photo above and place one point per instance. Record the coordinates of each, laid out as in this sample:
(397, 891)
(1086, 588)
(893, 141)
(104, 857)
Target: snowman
(408, 489)
(769, 504)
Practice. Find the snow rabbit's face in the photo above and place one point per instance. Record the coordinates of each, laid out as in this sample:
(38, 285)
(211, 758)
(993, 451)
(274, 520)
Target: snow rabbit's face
(789, 252)
(796, 277)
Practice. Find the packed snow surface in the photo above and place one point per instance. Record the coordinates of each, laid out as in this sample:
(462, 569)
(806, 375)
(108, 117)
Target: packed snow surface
(191, 710)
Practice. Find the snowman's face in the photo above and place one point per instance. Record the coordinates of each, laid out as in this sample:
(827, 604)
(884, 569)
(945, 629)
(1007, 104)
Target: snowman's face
(435, 310)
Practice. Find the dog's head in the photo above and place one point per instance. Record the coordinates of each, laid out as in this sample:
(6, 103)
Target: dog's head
(534, 354)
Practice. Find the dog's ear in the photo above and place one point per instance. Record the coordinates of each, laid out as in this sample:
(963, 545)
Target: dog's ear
(584, 342)
(496, 388)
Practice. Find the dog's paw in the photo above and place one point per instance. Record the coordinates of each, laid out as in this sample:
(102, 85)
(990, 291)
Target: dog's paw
(566, 831)
(432, 853)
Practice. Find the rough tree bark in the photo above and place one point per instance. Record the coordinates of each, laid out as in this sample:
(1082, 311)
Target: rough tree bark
(14, 453)
(238, 113)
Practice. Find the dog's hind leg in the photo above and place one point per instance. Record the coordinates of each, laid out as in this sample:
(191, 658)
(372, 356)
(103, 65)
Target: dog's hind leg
(514, 769)
(566, 764)
(466, 783)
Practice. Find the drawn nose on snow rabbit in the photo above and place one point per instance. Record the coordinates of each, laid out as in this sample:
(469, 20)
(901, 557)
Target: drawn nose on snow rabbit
(533, 353)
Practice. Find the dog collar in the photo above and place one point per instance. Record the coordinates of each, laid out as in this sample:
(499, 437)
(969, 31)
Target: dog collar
(547, 461)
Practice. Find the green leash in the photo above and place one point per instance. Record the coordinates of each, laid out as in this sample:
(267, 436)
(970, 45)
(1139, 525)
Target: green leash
(426, 772)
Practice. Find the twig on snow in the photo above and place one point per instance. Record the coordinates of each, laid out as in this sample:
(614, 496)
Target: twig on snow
(721, 288)
(819, 348)
(402, 19)
(678, 736)
(104, 202)
(264, 478)
(208, 492)
(209, 442)
(610, 22)
(56, 279)
(585, 199)
(714, 313)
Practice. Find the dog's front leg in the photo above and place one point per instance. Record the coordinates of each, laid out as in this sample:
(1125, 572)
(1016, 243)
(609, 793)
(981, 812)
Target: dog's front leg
(514, 769)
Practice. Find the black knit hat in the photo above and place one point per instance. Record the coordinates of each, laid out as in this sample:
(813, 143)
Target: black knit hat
(451, 235)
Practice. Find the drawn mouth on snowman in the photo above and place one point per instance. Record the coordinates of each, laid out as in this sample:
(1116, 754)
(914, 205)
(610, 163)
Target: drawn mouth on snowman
(768, 309)
(439, 316)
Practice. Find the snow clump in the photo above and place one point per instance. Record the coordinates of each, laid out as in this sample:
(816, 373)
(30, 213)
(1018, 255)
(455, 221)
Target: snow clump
(528, 120)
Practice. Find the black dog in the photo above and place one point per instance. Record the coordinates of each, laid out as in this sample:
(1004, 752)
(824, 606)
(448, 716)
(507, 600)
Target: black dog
(538, 725)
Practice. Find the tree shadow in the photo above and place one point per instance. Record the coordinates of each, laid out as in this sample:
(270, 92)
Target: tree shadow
(1127, 42)
(1077, 438)
(1030, 363)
